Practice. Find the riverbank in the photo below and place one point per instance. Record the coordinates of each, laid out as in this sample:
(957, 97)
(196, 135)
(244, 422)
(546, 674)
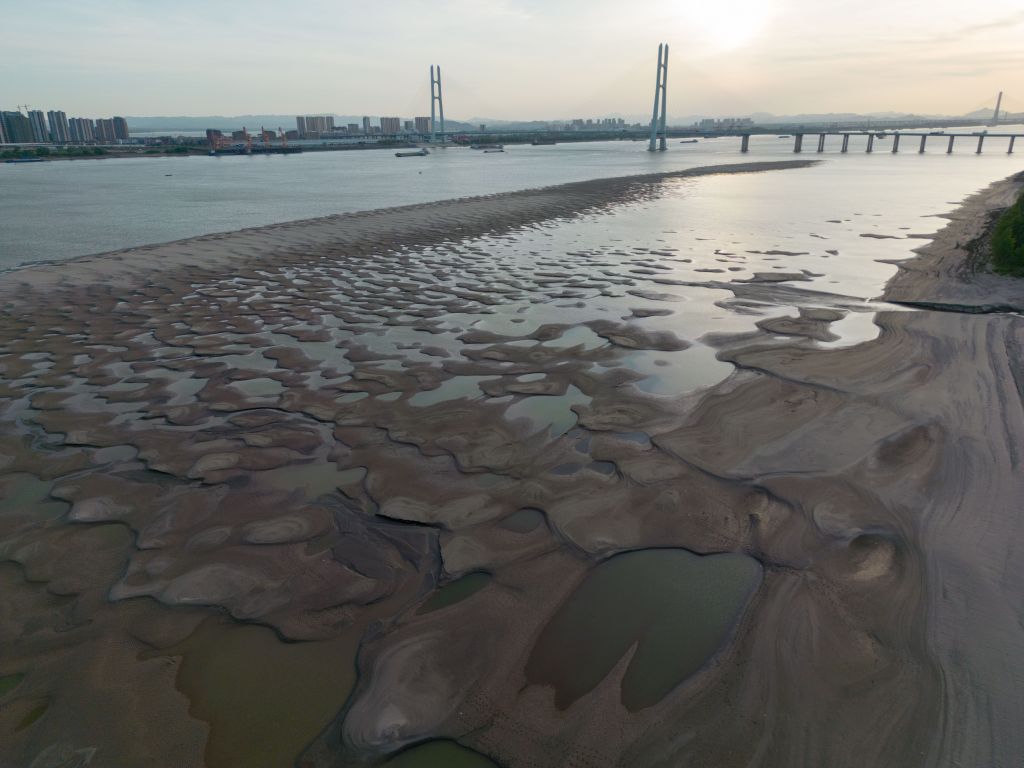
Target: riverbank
(401, 455)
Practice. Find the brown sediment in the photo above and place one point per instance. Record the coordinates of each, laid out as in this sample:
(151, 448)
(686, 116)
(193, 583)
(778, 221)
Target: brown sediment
(277, 427)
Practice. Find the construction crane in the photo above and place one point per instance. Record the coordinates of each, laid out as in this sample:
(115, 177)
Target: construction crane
(266, 137)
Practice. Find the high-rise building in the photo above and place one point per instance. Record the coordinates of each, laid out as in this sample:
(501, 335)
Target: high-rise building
(40, 132)
(60, 132)
(390, 126)
(120, 129)
(19, 128)
(3, 130)
(81, 130)
(104, 130)
(330, 122)
(410, 126)
(300, 125)
(422, 125)
(366, 125)
(353, 128)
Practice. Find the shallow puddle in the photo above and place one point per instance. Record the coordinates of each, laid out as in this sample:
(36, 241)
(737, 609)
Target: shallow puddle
(184, 389)
(439, 754)
(553, 412)
(312, 479)
(523, 520)
(677, 373)
(259, 387)
(451, 389)
(264, 699)
(676, 608)
(456, 592)
(23, 493)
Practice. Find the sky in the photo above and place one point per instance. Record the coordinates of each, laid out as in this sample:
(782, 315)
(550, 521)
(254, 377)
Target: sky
(510, 59)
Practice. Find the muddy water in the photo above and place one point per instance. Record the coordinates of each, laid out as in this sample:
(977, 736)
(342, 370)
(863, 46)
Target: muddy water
(671, 610)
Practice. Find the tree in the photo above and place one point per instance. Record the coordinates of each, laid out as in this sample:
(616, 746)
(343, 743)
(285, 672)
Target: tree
(1008, 241)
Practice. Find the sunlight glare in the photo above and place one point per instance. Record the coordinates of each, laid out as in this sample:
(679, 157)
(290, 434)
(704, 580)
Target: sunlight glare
(722, 25)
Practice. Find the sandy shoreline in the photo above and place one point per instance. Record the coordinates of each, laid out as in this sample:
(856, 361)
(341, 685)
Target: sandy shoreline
(212, 446)
(403, 226)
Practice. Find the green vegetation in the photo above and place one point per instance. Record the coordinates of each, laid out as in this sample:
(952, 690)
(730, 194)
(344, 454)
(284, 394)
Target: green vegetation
(1008, 241)
(52, 152)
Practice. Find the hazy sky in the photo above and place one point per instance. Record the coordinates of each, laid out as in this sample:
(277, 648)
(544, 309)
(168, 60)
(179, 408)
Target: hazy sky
(543, 59)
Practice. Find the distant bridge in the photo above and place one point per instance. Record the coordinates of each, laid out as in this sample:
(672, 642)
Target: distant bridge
(897, 137)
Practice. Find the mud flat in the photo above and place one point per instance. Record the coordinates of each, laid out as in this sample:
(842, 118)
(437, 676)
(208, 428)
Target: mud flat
(366, 483)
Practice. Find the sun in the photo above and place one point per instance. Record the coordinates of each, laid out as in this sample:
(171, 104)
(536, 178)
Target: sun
(721, 25)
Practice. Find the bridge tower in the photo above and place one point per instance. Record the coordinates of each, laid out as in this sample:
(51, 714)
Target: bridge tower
(660, 97)
(999, 103)
(436, 104)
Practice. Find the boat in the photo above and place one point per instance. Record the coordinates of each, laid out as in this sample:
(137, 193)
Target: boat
(689, 141)
(24, 160)
(496, 149)
(418, 153)
(542, 142)
(785, 136)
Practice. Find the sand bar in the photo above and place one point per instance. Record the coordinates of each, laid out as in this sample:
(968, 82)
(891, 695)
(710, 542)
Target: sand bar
(282, 439)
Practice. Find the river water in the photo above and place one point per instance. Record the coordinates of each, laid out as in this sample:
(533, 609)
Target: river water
(58, 210)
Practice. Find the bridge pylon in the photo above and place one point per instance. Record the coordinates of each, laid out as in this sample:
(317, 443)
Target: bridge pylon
(999, 104)
(660, 98)
(436, 104)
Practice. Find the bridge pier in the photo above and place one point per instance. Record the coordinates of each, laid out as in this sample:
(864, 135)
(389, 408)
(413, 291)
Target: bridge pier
(1010, 150)
(981, 140)
(923, 140)
(949, 150)
(895, 143)
(798, 143)
(846, 142)
(745, 144)
(821, 143)
(871, 143)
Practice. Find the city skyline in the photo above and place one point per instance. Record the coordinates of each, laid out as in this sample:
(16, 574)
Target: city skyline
(730, 57)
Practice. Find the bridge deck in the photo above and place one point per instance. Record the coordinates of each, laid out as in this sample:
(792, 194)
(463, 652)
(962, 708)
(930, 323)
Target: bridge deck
(908, 133)
(897, 136)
